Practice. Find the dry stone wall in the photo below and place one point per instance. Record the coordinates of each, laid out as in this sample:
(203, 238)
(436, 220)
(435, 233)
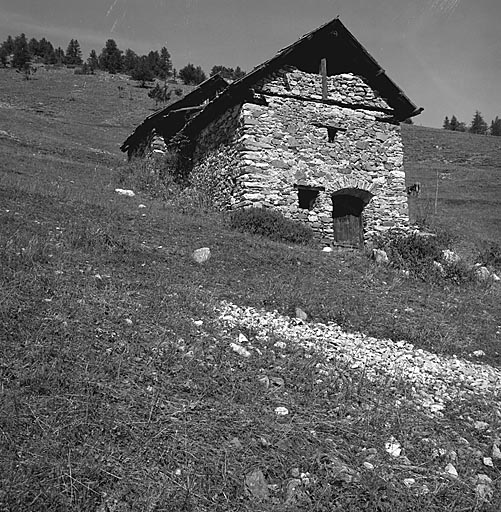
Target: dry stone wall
(257, 155)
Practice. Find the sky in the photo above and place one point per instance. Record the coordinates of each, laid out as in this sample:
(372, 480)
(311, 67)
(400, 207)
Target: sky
(444, 54)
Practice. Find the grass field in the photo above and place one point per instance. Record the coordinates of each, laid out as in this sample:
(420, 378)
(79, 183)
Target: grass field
(115, 397)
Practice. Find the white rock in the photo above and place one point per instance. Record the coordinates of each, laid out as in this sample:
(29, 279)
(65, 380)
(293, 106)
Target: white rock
(488, 462)
(478, 353)
(128, 321)
(198, 323)
(481, 425)
(240, 350)
(301, 314)
(483, 489)
(201, 255)
(393, 447)
(368, 465)
(124, 192)
(451, 470)
(281, 411)
(327, 249)
(409, 482)
(450, 257)
(141, 206)
(496, 452)
(242, 338)
(380, 256)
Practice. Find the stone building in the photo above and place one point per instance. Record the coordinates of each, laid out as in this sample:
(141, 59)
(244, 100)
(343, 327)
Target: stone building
(314, 133)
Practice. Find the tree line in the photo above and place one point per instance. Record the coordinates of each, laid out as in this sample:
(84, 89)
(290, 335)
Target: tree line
(477, 125)
(20, 53)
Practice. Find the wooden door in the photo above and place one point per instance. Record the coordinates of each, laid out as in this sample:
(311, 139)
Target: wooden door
(348, 230)
(347, 220)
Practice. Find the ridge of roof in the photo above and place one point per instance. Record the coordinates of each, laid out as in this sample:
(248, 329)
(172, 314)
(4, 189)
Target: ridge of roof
(377, 78)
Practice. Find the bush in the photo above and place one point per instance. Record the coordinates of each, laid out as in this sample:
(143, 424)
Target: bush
(271, 224)
(151, 176)
(422, 256)
(491, 255)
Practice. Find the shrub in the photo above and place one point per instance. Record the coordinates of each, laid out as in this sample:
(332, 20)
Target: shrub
(149, 175)
(271, 224)
(422, 255)
(490, 255)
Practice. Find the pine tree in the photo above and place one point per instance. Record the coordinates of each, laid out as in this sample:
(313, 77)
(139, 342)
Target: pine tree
(129, 60)
(165, 63)
(192, 75)
(447, 124)
(239, 73)
(478, 125)
(21, 55)
(495, 128)
(33, 47)
(73, 55)
(3, 56)
(110, 58)
(9, 45)
(93, 61)
(142, 72)
(454, 123)
(59, 56)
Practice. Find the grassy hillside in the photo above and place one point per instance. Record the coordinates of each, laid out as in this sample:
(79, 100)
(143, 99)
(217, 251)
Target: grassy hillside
(119, 387)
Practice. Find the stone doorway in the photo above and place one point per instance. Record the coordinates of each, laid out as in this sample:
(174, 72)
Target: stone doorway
(347, 218)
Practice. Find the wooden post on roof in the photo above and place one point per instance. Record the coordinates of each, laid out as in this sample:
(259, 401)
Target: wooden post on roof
(323, 72)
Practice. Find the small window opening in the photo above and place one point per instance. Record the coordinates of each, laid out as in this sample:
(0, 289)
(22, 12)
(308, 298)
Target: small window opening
(307, 197)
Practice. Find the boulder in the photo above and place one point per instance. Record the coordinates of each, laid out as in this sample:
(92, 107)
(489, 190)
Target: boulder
(201, 255)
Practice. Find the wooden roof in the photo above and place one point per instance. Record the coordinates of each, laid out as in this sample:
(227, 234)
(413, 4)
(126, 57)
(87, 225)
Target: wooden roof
(173, 117)
(333, 42)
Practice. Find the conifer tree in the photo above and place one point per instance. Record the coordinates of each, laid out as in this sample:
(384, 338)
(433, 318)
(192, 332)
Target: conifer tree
(478, 125)
(495, 128)
(110, 58)
(165, 64)
(129, 60)
(21, 55)
(73, 53)
(59, 56)
(93, 61)
(454, 123)
(447, 124)
(192, 75)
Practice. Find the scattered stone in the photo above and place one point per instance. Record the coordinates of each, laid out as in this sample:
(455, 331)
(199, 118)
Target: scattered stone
(484, 490)
(393, 447)
(368, 465)
(327, 249)
(281, 411)
(124, 192)
(496, 452)
(483, 273)
(481, 425)
(280, 344)
(235, 443)
(295, 472)
(478, 353)
(450, 257)
(451, 470)
(439, 266)
(301, 314)
(240, 350)
(201, 255)
(242, 338)
(294, 491)
(488, 462)
(141, 206)
(409, 482)
(128, 321)
(277, 382)
(379, 256)
(198, 323)
(265, 381)
(255, 482)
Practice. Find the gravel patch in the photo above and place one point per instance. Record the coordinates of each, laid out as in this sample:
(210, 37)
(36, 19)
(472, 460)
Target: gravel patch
(433, 380)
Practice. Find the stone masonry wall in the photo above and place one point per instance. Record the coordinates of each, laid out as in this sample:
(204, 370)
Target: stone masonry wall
(254, 155)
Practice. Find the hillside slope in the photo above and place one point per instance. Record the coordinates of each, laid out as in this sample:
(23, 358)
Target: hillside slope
(133, 378)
